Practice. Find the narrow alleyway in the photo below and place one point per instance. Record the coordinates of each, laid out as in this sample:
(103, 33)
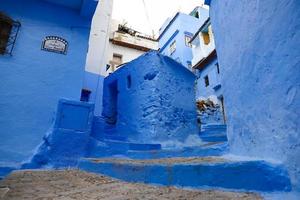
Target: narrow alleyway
(74, 184)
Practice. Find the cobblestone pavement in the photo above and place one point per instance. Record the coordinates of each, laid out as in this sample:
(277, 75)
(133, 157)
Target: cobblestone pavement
(79, 185)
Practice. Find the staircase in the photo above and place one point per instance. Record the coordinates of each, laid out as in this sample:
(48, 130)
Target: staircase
(213, 133)
(198, 167)
(194, 172)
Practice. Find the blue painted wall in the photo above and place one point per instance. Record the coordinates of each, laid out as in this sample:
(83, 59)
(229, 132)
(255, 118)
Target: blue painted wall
(214, 87)
(147, 99)
(175, 30)
(67, 139)
(33, 80)
(94, 83)
(213, 92)
(260, 61)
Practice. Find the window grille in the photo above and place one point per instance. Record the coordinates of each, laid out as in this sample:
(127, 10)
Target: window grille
(172, 47)
(9, 30)
(187, 41)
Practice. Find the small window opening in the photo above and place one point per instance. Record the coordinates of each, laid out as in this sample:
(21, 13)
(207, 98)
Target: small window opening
(107, 67)
(8, 33)
(206, 81)
(223, 109)
(173, 47)
(111, 109)
(189, 64)
(6, 25)
(187, 41)
(85, 95)
(218, 68)
(128, 81)
(206, 37)
(116, 61)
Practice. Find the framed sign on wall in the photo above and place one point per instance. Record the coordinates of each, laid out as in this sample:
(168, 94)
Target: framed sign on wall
(55, 44)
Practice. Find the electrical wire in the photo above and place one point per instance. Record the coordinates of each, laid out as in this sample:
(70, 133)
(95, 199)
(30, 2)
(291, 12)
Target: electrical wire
(148, 18)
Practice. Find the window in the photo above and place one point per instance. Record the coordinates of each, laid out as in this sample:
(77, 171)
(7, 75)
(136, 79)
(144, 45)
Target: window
(218, 68)
(195, 13)
(85, 95)
(107, 67)
(189, 64)
(223, 109)
(117, 58)
(173, 47)
(8, 33)
(116, 61)
(187, 41)
(128, 81)
(206, 81)
(206, 37)
(6, 25)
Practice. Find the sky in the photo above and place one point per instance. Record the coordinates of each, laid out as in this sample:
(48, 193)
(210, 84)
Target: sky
(133, 12)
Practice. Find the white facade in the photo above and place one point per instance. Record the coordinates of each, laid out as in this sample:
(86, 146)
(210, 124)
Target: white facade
(107, 45)
(125, 47)
(201, 47)
(99, 37)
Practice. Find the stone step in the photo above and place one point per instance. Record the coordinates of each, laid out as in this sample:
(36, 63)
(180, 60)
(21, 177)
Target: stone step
(109, 147)
(213, 133)
(194, 172)
(115, 137)
(101, 149)
(213, 137)
(119, 145)
(214, 126)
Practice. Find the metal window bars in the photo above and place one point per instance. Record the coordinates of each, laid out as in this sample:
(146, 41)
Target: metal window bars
(12, 37)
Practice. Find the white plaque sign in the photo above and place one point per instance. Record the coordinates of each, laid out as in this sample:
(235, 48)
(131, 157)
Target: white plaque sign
(55, 44)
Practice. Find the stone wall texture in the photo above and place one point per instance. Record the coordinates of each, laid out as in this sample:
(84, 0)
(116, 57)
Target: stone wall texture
(151, 99)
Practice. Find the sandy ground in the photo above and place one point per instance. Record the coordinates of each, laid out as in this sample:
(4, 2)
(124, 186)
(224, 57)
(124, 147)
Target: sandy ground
(79, 185)
(164, 161)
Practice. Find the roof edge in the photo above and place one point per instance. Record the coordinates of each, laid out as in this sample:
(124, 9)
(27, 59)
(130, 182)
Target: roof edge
(207, 2)
(200, 29)
(169, 24)
(203, 62)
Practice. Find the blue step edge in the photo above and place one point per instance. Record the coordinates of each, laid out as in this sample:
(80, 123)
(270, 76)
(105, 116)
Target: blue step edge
(242, 175)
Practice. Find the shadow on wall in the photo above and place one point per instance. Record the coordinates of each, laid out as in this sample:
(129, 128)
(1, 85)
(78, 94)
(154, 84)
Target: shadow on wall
(262, 82)
(151, 99)
(67, 140)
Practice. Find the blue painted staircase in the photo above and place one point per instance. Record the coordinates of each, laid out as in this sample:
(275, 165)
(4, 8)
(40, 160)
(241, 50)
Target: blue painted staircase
(194, 172)
(213, 133)
(197, 167)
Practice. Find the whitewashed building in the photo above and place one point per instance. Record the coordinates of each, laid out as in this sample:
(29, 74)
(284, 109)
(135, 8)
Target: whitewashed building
(126, 44)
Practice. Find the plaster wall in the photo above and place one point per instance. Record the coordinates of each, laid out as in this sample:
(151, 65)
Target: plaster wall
(33, 80)
(99, 39)
(94, 83)
(204, 92)
(128, 54)
(67, 140)
(156, 105)
(185, 25)
(201, 50)
(259, 55)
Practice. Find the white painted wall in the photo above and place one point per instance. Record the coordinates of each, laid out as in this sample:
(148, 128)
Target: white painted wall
(99, 38)
(128, 54)
(200, 49)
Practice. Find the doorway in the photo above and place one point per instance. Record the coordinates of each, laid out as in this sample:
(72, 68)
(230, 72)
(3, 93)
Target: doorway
(113, 92)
